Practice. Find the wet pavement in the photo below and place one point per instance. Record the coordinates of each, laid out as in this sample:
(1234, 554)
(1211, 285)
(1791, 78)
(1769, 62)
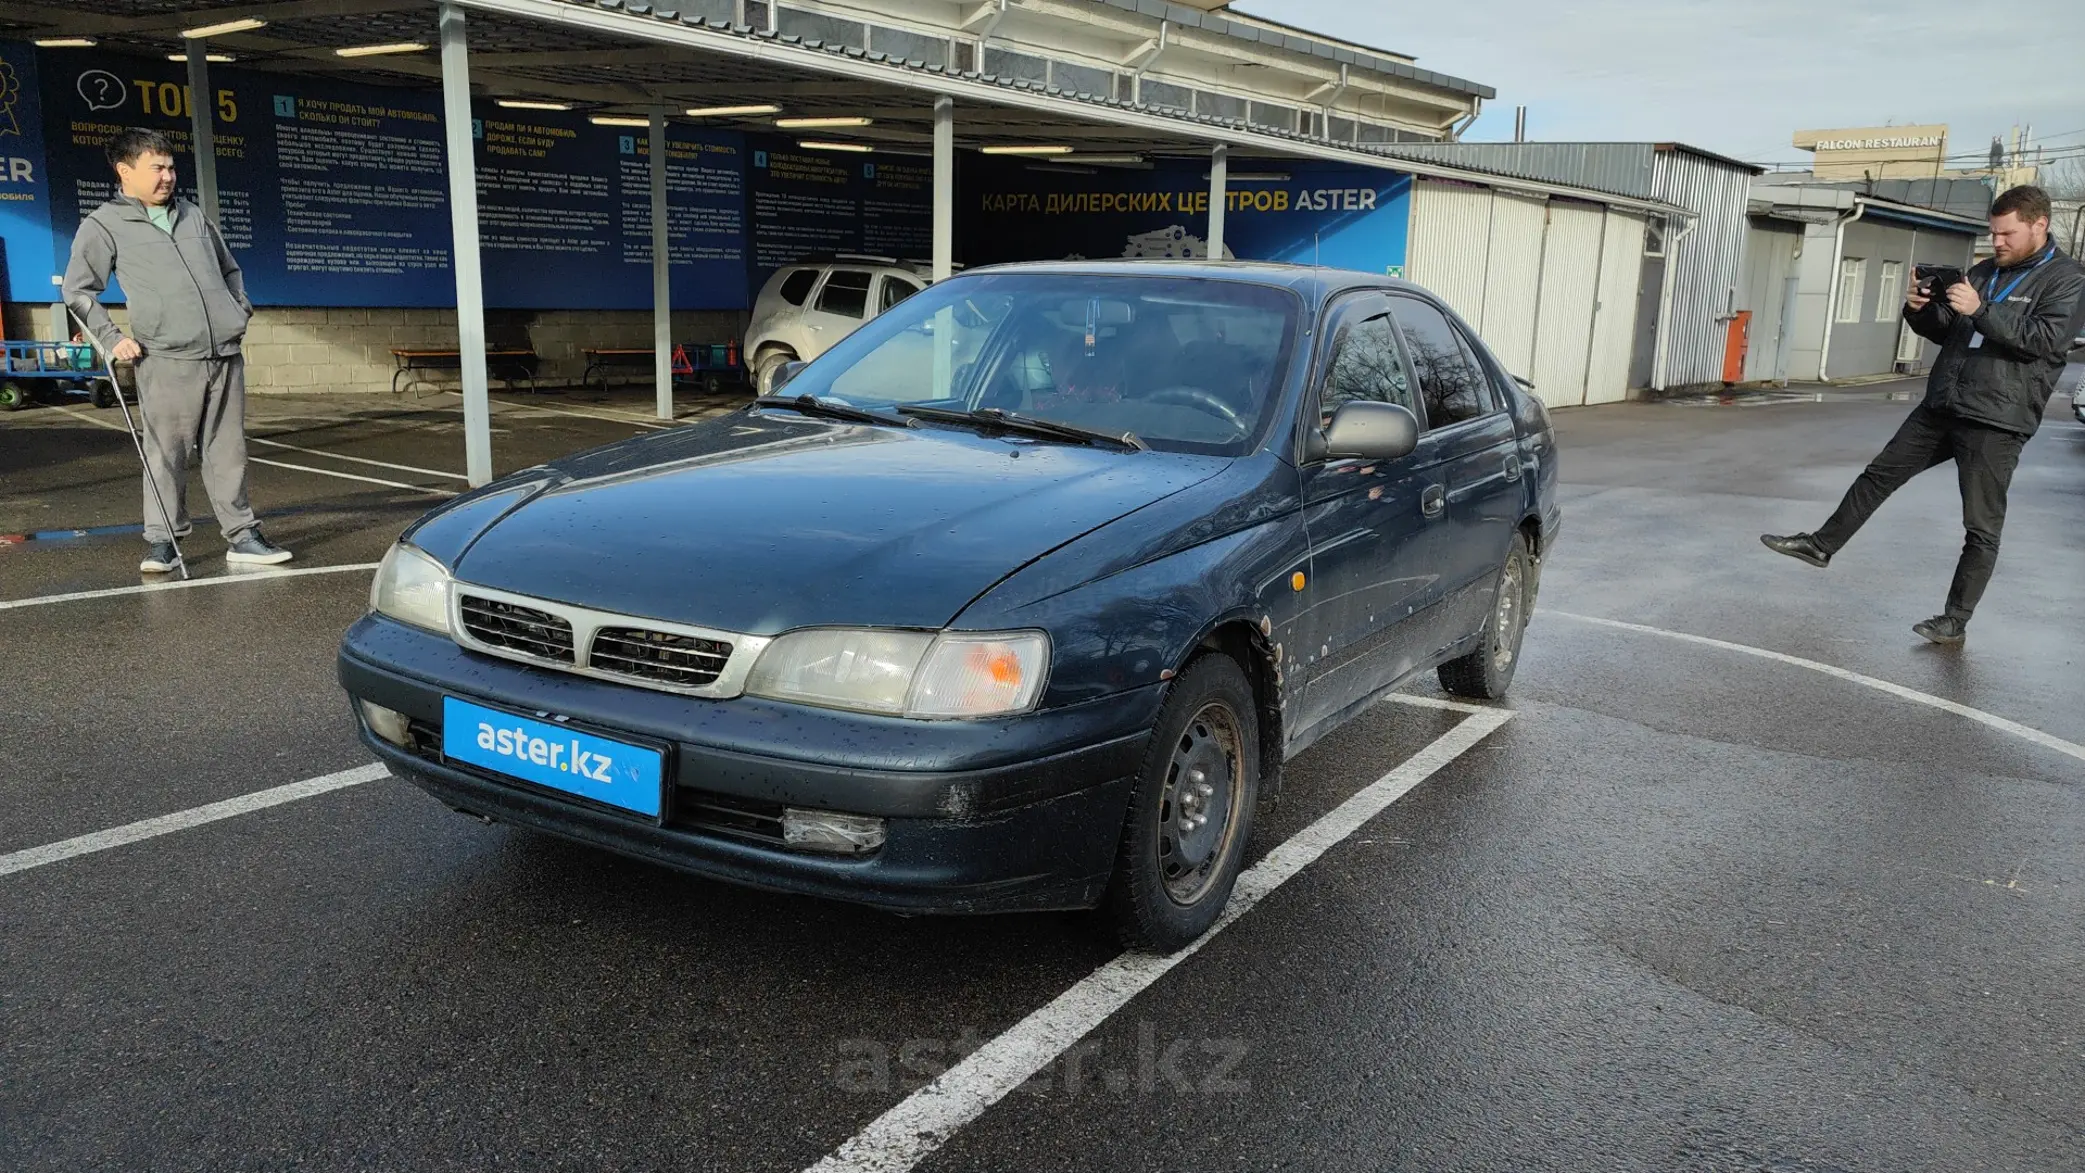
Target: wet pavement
(1690, 908)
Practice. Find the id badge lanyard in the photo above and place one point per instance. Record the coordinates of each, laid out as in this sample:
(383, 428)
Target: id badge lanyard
(1993, 295)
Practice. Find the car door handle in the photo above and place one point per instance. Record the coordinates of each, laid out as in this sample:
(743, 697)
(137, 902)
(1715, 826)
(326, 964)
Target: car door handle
(1432, 500)
(1513, 467)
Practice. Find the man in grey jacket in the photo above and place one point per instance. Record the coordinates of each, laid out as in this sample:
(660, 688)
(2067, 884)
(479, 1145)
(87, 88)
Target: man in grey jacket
(2003, 331)
(188, 312)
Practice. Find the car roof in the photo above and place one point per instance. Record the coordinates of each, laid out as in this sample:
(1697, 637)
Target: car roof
(1314, 282)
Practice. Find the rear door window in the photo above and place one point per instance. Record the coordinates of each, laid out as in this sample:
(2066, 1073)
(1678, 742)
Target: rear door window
(895, 290)
(1450, 381)
(846, 294)
(797, 286)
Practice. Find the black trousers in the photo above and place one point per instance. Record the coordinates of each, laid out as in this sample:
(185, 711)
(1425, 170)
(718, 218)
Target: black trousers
(1984, 461)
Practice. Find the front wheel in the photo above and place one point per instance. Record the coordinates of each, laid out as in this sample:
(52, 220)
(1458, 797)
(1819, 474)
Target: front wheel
(1183, 840)
(103, 394)
(14, 396)
(1486, 673)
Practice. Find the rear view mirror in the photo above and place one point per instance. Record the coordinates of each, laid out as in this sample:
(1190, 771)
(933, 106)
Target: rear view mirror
(1367, 430)
(787, 371)
(1096, 311)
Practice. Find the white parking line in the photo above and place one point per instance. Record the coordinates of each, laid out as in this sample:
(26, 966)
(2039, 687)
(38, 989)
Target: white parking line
(2026, 732)
(618, 418)
(36, 857)
(349, 476)
(923, 1121)
(346, 476)
(147, 588)
(433, 472)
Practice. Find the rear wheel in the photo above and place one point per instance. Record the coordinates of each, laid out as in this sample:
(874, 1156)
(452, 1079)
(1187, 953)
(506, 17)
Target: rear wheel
(102, 394)
(1487, 672)
(13, 396)
(765, 368)
(1191, 813)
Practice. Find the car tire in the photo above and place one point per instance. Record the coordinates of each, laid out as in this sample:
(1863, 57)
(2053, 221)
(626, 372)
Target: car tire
(103, 394)
(1174, 874)
(1487, 672)
(764, 369)
(14, 396)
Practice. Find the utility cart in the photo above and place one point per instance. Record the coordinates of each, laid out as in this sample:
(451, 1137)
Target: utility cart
(40, 370)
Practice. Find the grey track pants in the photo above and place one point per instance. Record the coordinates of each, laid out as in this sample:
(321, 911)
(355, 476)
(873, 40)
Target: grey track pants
(200, 402)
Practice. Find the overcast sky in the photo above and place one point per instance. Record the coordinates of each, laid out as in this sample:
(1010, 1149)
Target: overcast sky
(1736, 76)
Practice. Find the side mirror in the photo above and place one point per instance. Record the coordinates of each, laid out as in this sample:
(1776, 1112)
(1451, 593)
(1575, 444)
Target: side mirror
(787, 371)
(1367, 430)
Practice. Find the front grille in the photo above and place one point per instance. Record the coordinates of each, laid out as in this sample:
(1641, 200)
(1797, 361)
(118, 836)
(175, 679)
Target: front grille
(515, 628)
(684, 661)
(747, 818)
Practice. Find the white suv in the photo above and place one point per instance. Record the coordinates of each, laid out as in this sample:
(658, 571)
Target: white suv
(805, 308)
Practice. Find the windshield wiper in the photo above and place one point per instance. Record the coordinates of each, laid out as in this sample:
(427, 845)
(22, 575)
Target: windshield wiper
(810, 405)
(994, 418)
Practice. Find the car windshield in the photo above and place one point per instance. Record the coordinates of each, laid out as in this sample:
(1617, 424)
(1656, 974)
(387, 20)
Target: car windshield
(1184, 364)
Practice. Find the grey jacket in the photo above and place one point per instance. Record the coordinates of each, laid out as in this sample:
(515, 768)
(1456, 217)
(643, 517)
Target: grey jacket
(2004, 382)
(187, 296)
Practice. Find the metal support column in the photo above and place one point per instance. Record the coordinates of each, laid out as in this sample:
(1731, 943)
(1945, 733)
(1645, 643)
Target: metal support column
(662, 272)
(202, 108)
(460, 146)
(1219, 194)
(944, 188)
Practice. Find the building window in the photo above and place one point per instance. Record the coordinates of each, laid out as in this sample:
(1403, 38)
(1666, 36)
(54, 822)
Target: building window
(1853, 281)
(1220, 106)
(1890, 291)
(1082, 79)
(1370, 132)
(825, 29)
(1018, 66)
(965, 59)
(713, 11)
(1278, 117)
(907, 46)
(1158, 93)
(760, 14)
(1340, 129)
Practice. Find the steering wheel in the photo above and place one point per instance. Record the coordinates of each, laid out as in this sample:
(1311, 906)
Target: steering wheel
(1201, 400)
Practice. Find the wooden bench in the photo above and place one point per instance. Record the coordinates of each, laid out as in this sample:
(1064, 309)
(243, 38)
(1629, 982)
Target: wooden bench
(600, 358)
(512, 366)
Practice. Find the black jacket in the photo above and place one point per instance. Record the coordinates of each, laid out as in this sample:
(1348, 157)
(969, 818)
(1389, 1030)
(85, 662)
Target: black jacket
(2005, 383)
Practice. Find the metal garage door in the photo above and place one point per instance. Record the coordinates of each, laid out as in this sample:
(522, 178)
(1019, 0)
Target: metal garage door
(1451, 244)
(1614, 319)
(1570, 287)
(1513, 279)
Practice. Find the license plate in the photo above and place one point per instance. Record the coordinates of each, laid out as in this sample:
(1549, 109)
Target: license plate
(548, 754)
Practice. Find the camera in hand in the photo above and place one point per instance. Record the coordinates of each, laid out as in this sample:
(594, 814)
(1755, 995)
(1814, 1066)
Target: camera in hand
(1936, 280)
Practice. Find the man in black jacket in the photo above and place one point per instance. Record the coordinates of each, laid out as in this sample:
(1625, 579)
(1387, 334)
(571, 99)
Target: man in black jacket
(2003, 333)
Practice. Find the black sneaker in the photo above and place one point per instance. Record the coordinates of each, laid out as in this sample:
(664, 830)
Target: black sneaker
(160, 559)
(1943, 629)
(254, 550)
(1802, 546)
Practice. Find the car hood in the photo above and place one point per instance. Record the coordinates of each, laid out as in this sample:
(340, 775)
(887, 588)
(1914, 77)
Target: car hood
(763, 523)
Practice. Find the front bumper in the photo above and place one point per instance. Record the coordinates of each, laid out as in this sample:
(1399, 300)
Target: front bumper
(1023, 814)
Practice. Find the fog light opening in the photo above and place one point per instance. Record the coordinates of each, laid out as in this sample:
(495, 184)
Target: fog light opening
(831, 832)
(389, 724)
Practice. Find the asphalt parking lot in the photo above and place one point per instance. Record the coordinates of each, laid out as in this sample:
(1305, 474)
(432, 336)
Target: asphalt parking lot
(1744, 877)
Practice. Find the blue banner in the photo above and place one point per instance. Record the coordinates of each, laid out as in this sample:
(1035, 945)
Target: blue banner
(1296, 211)
(26, 262)
(809, 202)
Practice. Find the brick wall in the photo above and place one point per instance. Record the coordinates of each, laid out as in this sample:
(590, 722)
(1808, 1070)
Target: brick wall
(292, 351)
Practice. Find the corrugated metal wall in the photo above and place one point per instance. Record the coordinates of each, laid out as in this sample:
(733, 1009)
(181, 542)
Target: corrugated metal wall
(1513, 279)
(1706, 265)
(1451, 244)
(1621, 168)
(1614, 315)
(1570, 291)
(1549, 284)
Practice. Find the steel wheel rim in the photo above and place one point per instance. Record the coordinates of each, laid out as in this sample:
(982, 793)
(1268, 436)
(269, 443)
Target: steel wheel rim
(1198, 812)
(1506, 617)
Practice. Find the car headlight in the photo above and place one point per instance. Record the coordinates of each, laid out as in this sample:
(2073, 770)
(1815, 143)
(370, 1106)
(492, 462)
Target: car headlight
(954, 675)
(411, 587)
